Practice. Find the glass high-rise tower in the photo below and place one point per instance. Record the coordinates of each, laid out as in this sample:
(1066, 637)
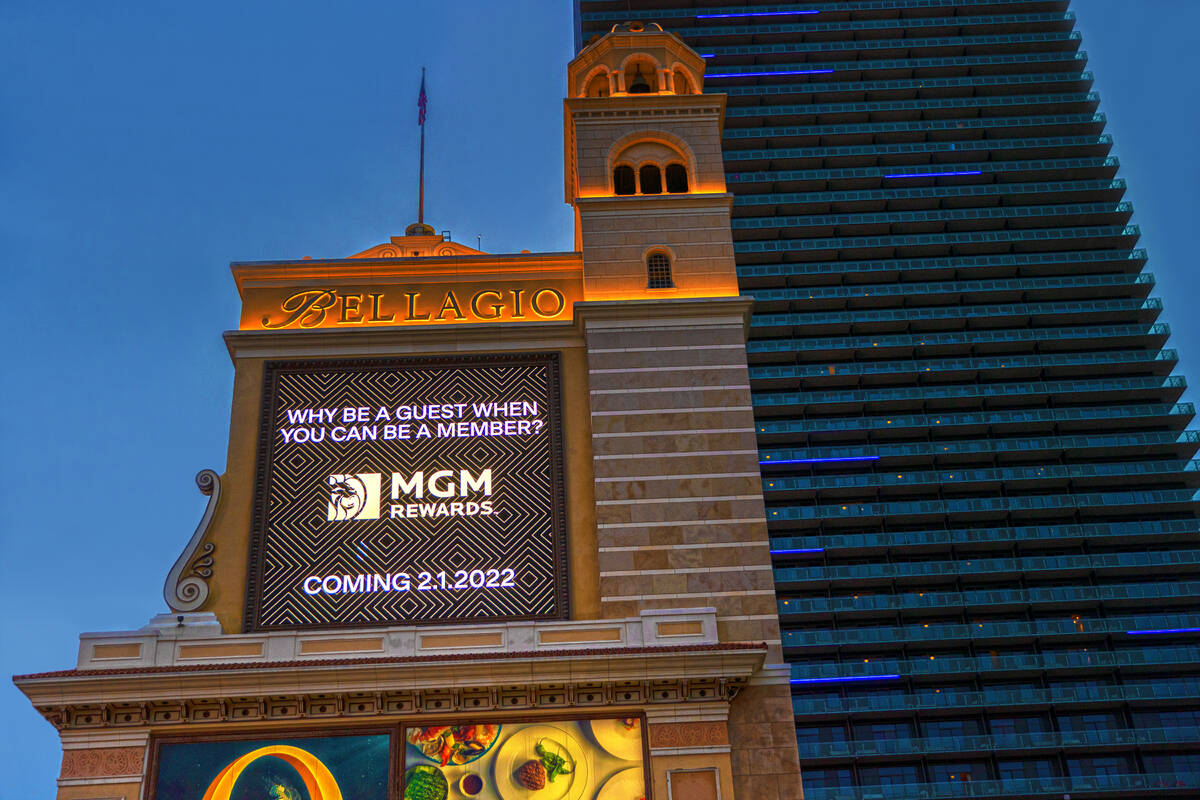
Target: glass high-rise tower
(980, 484)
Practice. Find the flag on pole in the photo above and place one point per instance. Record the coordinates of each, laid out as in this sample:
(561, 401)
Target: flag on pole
(422, 101)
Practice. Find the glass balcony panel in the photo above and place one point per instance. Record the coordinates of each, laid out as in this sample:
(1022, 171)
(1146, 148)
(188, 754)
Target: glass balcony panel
(909, 290)
(867, 66)
(923, 104)
(794, 607)
(736, 27)
(976, 418)
(920, 192)
(964, 476)
(784, 455)
(989, 664)
(689, 13)
(941, 632)
(909, 315)
(978, 81)
(982, 566)
(1052, 165)
(802, 705)
(766, 400)
(981, 505)
(940, 263)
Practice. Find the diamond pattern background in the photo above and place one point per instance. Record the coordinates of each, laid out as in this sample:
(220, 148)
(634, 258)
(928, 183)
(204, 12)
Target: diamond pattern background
(293, 538)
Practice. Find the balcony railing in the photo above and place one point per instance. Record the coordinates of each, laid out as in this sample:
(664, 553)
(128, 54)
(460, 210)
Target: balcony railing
(990, 310)
(989, 566)
(1109, 164)
(1022, 284)
(905, 23)
(1016, 741)
(962, 476)
(940, 263)
(940, 215)
(1112, 785)
(924, 104)
(890, 64)
(1008, 629)
(689, 13)
(1084, 77)
(982, 505)
(1085, 595)
(815, 671)
(1022, 416)
(924, 125)
(1013, 698)
(783, 456)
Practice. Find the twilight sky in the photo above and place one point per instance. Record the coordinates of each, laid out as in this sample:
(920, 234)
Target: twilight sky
(145, 145)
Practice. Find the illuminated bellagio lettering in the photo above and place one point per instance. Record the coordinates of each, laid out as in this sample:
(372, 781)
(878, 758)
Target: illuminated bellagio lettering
(316, 308)
(441, 484)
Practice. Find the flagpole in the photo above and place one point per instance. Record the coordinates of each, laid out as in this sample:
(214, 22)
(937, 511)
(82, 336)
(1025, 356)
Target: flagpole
(421, 179)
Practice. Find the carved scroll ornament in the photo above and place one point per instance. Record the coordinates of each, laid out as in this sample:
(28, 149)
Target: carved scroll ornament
(186, 588)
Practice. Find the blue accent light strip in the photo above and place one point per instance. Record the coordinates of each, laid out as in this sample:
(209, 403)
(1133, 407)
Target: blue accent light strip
(821, 460)
(843, 680)
(1164, 630)
(760, 74)
(802, 550)
(756, 14)
(935, 174)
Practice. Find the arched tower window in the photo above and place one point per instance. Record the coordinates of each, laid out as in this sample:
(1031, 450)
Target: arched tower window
(658, 271)
(651, 179)
(597, 86)
(623, 180)
(677, 181)
(682, 84)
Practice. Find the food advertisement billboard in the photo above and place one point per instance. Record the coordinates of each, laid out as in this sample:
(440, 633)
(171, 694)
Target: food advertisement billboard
(327, 767)
(407, 491)
(594, 759)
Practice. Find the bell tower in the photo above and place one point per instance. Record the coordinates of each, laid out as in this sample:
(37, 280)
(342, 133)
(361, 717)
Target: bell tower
(644, 170)
(679, 514)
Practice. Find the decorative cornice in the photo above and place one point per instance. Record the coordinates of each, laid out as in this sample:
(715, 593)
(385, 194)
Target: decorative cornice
(81, 700)
(186, 588)
(248, 274)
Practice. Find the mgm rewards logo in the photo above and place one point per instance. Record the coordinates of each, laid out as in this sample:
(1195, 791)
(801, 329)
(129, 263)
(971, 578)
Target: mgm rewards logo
(357, 495)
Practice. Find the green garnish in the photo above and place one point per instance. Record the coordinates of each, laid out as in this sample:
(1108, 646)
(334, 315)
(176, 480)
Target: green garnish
(424, 782)
(554, 763)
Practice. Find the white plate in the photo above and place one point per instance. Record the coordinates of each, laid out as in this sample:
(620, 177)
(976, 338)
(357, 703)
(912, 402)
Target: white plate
(612, 736)
(520, 747)
(628, 784)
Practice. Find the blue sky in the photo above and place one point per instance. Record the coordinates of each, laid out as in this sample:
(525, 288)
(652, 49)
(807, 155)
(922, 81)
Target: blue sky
(143, 146)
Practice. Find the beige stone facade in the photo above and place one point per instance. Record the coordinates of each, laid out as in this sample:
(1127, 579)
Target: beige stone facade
(672, 612)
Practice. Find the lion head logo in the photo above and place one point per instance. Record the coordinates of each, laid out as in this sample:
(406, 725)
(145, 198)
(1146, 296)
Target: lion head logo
(354, 496)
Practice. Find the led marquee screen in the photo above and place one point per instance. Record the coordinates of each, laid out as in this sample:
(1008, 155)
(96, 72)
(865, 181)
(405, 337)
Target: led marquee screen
(403, 491)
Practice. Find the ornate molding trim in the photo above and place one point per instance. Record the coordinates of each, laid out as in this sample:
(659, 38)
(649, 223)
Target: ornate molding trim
(102, 762)
(261, 706)
(186, 587)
